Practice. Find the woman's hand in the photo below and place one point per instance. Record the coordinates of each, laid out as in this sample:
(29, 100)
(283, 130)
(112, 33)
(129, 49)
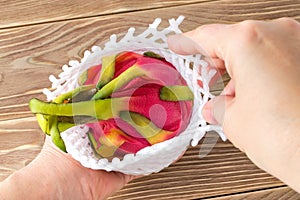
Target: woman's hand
(259, 109)
(55, 175)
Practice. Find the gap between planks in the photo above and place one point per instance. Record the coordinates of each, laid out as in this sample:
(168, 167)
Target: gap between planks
(103, 13)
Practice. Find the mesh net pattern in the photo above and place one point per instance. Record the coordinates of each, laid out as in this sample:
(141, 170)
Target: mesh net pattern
(153, 158)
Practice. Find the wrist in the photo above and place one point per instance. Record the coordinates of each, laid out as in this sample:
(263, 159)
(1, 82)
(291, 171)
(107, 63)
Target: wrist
(62, 173)
(72, 180)
(29, 183)
(49, 176)
(77, 182)
(55, 175)
(288, 155)
(293, 172)
(39, 180)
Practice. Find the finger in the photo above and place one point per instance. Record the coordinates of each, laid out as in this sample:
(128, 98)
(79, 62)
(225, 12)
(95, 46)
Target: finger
(217, 79)
(229, 90)
(210, 40)
(216, 63)
(214, 110)
(183, 45)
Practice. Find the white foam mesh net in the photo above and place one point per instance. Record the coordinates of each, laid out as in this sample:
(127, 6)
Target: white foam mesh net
(153, 158)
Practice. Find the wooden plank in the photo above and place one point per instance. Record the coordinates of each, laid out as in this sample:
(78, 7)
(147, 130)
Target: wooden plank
(28, 55)
(19, 13)
(38, 51)
(225, 170)
(280, 193)
(20, 141)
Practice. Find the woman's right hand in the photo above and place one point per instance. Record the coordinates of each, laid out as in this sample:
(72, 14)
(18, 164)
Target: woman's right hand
(259, 109)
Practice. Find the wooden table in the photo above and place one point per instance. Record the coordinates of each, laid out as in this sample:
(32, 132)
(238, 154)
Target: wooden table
(38, 36)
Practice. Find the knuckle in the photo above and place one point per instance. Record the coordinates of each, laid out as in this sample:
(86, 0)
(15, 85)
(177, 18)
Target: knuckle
(198, 30)
(251, 31)
(208, 28)
(202, 28)
(288, 22)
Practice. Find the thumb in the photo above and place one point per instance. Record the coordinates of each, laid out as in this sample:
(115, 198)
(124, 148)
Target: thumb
(214, 110)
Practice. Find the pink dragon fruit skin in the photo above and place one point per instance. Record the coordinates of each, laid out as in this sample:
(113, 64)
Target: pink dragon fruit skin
(117, 136)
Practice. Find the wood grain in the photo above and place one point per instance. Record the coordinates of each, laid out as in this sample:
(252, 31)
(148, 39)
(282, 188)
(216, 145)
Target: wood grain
(20, 141)
(280, 193)
(19, 13)
(224, 170)
(29, 54)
